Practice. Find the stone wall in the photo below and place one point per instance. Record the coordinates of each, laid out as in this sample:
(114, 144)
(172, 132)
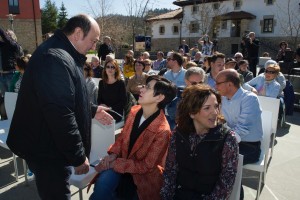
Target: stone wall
(25, 31)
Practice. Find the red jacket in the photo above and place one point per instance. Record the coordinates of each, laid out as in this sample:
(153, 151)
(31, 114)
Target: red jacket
(147, 157)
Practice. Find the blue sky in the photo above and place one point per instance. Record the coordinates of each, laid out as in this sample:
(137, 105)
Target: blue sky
(81, 6)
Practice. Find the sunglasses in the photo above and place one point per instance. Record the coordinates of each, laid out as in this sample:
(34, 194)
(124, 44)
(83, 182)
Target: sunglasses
(270, 72)
(110, 67)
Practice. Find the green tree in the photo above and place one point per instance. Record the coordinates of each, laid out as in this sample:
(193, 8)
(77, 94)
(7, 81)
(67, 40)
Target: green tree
(49, 17)
(62, 16)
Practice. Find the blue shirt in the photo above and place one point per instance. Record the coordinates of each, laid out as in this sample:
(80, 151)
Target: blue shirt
(209, 80)
(243, 115)
(178, 78)
(271, 88)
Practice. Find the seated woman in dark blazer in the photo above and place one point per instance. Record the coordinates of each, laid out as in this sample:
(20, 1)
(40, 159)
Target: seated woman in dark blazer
(203, 154)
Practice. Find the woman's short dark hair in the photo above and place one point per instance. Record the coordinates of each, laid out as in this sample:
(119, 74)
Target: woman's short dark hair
(81, 21)
(22, 62)
(117, 71)
(163, 86)
(283, 43)
(139, 61)
(193, 98)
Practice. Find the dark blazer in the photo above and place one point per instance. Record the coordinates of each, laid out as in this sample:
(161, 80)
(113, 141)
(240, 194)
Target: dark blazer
(52, 119)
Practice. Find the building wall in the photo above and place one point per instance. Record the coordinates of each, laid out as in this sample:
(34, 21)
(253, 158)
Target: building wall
(28, 30)
(258, 8)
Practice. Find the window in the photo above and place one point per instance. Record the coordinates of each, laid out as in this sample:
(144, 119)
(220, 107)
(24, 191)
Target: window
(268, 25)
(195, 9)
(237, 5)
(175, 29)
(224, 24)
(216, 6)
(194, 27)
(162, 30)
(13, 6)
(270, 2)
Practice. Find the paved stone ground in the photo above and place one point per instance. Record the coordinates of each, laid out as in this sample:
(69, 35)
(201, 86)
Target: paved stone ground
(282, 182)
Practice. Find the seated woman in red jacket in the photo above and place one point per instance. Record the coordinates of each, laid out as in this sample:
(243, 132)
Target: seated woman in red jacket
(133, 168)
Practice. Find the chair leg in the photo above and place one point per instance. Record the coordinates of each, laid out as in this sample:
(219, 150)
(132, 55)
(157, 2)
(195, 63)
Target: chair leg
(80, 194)
(273, 143)
(16, 167)
(25, 172)
(259, 186)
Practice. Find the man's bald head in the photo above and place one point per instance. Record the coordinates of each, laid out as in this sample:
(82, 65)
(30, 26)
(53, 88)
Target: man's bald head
(230, 75)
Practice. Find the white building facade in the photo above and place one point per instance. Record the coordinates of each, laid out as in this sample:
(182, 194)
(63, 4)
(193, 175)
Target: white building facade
(227, 22)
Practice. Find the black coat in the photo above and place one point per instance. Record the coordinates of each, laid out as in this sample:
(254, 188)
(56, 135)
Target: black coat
(52, 119)
(10, 50)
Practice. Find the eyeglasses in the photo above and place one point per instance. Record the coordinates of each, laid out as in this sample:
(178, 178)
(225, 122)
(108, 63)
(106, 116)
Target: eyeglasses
(218, 83)
(110, 67)
(270, 72)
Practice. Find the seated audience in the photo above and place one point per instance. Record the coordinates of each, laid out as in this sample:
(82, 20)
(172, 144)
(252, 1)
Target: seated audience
(160, 58)
(148, 70)
(135, 82)
(193, 76)
(217, 64)
(133, 168)
(112, 91)
(91, 86)
(97, 68)
(190, 64)
(128, 67)
(265, 84)
(244, 71)
(202, 156)
(197, 58)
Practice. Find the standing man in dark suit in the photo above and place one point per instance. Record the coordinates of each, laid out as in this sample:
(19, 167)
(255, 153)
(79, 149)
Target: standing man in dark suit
(105, 49)
(51, 126)
(252, 46)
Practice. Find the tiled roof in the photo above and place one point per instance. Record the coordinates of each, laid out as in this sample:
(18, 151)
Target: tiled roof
(191, 2)
(175, 14)
(235, 15)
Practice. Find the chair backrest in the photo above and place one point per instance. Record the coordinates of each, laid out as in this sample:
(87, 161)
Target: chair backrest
(235, 194)
(266, 117)
(102, 138)
(263, 60)
(10, 99)
(270, 104)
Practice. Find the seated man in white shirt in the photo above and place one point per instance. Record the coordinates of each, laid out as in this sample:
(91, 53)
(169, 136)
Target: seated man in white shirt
(242, 113)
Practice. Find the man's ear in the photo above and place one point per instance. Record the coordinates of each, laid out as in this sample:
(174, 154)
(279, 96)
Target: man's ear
(78, 34)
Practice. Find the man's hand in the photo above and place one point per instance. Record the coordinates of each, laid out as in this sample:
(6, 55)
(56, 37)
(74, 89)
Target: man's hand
(84, 168)
(254, 91)
(102, 116)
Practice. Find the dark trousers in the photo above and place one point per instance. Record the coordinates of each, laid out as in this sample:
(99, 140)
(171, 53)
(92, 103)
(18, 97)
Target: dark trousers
(52, 180)
(252, 65)
(251, 152)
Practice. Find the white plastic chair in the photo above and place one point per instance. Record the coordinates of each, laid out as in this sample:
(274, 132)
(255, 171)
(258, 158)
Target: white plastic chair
(10, 99)
(97, 80)
(261, 165)
(235, 194)
(272, 105)
(102, 138)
